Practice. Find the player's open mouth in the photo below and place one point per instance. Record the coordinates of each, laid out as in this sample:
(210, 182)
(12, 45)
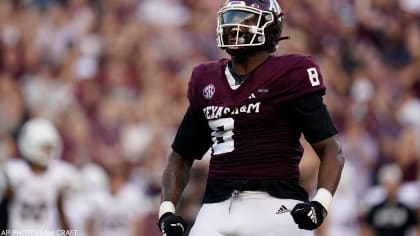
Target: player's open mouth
(236, 36)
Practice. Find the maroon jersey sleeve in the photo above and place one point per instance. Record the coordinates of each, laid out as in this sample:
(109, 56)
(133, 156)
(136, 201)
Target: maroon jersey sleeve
(191, 91)
(301, 76)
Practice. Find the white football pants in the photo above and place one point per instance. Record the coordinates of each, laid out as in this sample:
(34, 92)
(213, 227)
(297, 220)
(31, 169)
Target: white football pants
(248, 214)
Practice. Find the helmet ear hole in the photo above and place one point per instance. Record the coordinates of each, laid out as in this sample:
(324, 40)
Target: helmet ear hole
(273, 34)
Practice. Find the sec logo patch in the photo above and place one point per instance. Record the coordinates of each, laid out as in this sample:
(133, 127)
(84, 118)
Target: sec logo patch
(208, 91)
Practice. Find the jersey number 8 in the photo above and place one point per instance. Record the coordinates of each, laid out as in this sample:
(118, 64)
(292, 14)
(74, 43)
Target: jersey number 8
(222, 135)
(313, 76)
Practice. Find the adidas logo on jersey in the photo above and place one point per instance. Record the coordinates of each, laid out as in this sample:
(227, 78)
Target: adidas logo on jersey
(251, 96)
(282, 209)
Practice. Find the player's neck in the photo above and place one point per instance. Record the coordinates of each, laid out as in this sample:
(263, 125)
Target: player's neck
(243, 64)
(37, 169)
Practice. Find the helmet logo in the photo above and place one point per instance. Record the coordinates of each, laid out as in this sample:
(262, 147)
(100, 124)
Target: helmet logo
(254, 5)
(208, 91)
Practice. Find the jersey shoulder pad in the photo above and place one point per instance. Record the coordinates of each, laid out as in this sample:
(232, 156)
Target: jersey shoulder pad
(204, 79)
(298, 75)
(15, 170)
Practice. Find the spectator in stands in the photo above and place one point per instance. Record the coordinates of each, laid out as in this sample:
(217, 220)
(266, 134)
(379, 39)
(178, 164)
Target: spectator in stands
(390, 217)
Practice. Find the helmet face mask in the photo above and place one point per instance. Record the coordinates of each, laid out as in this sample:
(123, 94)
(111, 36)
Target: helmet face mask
(249, 23)
(239, 28)
(39, 142)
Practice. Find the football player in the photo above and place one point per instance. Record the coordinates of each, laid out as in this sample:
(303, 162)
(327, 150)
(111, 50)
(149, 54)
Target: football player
(251, 110)
(119, 209)
(36, 185)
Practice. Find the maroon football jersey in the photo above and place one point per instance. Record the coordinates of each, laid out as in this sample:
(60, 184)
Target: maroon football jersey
(253, 137)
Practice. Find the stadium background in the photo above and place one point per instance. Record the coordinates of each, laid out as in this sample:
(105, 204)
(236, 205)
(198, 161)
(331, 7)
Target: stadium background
(112, 76)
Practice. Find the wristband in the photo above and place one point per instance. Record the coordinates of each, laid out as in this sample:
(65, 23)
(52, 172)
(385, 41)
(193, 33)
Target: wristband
(165, 207)
(324, 197)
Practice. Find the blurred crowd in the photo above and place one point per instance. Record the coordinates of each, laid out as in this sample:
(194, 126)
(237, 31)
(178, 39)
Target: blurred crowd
(112, 76)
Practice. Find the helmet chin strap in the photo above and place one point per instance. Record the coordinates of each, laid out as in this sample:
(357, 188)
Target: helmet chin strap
(250, 50)
(244, 51)
(284, 38)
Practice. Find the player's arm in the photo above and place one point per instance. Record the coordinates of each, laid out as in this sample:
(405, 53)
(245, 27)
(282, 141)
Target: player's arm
(332, 161)
(6, 190)
(174, 181)
(313, 119)
(175, 177)
(191, 142)
(61, 213)
(90, 226)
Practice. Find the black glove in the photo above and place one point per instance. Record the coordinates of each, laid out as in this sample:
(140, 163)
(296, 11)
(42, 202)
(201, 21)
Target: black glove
(172, 225)
(308, 215)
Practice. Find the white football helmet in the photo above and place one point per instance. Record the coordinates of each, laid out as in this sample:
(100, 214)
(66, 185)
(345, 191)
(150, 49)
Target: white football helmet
(94, 177)
(39, 141)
